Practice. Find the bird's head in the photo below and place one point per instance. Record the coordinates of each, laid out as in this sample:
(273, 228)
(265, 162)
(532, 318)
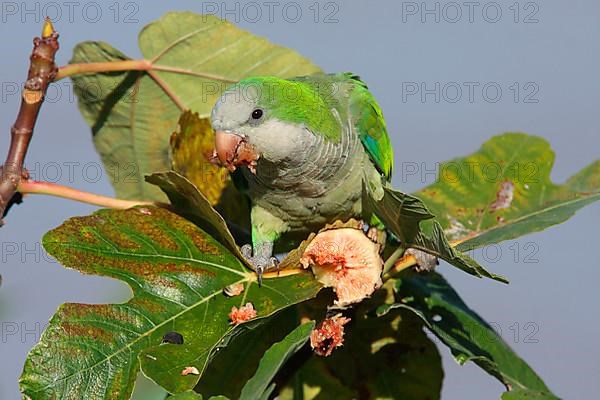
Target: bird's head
(268, 118)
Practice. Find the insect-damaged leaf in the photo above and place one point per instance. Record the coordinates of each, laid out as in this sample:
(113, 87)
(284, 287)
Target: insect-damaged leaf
(501, 192)
(504, 191)
(191, 59)
(177, 274)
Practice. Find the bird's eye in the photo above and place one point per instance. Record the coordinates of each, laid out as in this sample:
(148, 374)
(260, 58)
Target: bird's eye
(257, 113)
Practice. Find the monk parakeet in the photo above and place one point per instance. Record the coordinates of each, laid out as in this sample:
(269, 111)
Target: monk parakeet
(303, 146)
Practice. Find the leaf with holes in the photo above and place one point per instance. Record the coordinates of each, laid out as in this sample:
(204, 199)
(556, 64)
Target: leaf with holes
(504, 191)
(469, 337)
(190, 60)
(177, 274)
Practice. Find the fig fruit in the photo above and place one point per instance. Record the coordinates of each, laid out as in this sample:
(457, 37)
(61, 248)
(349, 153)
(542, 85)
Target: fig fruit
(328, 335)
(346, 260)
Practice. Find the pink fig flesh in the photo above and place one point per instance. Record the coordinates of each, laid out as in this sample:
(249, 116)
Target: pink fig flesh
(346, 260)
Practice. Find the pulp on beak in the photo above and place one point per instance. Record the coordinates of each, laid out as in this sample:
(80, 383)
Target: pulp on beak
(233, 150)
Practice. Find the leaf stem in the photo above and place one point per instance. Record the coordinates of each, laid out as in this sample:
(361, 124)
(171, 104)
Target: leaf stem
(131, 65)
(389, 263)
(167, 89)
(65, 192)
(184, 71)
(401, 264)
(109, 66)
(393, 265)
(283, 272)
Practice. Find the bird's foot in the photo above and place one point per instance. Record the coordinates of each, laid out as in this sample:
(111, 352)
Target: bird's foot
(425, 262)
(259, 263)
(378, 236)
(373, 234)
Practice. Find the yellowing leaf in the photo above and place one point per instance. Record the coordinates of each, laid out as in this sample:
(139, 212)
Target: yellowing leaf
(192, 147)
(191, 154)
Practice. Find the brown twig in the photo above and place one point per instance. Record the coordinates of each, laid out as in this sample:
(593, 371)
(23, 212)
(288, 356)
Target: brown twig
(42, 71)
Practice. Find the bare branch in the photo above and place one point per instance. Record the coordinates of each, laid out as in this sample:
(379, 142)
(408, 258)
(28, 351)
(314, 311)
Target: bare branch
(42, 71)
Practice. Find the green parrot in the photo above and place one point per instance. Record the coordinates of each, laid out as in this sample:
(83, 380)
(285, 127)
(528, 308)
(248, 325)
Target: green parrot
(304, 146)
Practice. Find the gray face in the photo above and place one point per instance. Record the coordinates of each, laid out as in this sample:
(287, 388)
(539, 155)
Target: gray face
(237, 112)
(234, 112)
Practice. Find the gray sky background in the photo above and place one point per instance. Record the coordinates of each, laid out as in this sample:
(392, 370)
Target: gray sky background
(554, 60)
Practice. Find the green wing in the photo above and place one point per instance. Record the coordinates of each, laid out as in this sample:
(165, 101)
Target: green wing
(347, 93)
(369, 122)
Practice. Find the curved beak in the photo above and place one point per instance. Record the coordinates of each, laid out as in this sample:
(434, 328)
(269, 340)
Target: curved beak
(233, 150)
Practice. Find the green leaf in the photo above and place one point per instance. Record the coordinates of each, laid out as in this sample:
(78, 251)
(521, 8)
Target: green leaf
(402, 213)
(504, 191)
(315, 381)
(409, 219)
(177, 274)
(191, 59)
(437, 244)
(274, 359)
(190, 203)
(190, 395)
(469, 337)
(527, 395)
(244, 352)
